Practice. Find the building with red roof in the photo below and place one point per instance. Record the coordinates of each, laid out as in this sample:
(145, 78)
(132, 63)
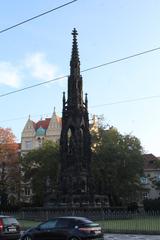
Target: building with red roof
(35, 133)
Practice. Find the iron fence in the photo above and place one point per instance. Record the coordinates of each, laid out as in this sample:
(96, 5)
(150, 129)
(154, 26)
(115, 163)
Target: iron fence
(110, 221)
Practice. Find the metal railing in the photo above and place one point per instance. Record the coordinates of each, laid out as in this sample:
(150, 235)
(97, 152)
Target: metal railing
(110, 221)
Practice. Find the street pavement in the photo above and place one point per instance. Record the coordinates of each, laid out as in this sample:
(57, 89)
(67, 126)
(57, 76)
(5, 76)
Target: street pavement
(130, 237)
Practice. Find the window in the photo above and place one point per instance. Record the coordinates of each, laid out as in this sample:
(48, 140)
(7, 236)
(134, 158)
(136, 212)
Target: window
(145, 195)
(144, 180)
(158, 178)
(28, 144)
(40, 141)
(9, 220)
(48, 225)
(63, 223)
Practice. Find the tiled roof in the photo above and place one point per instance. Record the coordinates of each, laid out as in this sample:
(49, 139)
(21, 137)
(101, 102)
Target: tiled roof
(150, 162)
(43, 123)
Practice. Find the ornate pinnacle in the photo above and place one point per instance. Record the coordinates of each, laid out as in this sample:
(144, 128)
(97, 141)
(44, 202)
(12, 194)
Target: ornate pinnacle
(86, 100)
(64, 100)
(75, 55)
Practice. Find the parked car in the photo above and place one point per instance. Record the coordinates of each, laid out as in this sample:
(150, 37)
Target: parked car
(65, 228)
(9, 228)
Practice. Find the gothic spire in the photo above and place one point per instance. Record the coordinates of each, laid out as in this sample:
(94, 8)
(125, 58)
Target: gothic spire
(75, 145)
(75, 94)
(75, 63)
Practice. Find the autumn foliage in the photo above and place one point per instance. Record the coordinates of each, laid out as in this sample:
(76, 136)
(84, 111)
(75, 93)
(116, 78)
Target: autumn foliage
(8, 146)
(9, 166)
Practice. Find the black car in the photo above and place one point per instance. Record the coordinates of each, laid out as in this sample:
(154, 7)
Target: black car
(65, 228)
(9, 228)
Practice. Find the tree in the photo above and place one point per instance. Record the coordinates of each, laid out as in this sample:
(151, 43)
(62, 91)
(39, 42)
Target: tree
(117, 165)
(40, 167)
(9, 166)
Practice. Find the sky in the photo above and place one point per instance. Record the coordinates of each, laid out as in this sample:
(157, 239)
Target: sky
(126, 93)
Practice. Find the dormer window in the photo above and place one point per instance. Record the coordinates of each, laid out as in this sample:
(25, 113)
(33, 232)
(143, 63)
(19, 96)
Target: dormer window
(40, 132)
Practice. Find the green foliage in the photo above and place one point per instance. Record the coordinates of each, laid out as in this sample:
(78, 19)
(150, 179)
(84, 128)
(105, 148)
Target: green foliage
(40, 167)
(151, 204)
(117, 165)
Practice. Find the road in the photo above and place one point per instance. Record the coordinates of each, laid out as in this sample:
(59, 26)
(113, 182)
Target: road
(131, 237)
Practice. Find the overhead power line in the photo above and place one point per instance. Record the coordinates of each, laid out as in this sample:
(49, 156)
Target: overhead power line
(85, 70)
(94, 106)
(37, 16)
(33, 86)
(122, 59)
(126, 101)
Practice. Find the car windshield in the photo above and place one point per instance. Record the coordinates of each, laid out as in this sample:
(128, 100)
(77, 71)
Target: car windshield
(9, 220)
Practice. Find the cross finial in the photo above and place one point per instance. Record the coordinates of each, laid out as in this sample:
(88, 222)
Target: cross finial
(74, 57)
(74, 32)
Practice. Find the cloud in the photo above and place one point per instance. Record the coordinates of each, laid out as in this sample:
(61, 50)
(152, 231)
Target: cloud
(39, 67)
(34, 66)
(10, 75)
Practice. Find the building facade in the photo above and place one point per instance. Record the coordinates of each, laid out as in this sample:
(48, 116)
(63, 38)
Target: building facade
(33, 136)
(35, 133)
(151, 177)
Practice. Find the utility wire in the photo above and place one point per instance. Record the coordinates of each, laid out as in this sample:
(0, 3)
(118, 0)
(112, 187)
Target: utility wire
(126, 101)
(122, 59)
(85, 70)
(24, 117)
(94, 106)
(37, 16)
(32, 86)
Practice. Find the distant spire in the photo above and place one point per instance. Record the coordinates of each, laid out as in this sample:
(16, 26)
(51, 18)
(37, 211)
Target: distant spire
(29, 116)
(54, 112)
(74, 63)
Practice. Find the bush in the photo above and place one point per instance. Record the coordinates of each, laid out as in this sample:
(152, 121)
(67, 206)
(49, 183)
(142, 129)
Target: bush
(151, 204)
(132, 207)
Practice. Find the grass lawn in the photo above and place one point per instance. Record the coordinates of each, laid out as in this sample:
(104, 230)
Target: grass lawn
(25, 224)
(139, 224)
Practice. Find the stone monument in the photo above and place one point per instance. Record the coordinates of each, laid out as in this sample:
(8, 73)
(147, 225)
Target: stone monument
(75, 139)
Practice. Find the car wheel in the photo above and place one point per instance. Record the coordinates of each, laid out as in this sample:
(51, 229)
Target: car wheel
(27, 238)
